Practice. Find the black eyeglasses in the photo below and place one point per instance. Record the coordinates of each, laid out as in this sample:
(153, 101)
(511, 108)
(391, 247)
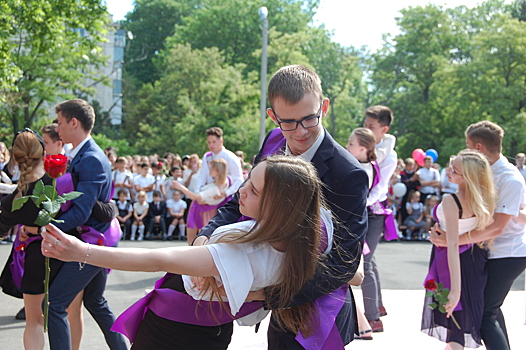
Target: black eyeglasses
(34, 133)
(307, 122)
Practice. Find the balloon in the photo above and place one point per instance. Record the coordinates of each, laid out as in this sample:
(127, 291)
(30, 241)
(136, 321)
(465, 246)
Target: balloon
(433, 154)
(418, 156)
(399, 189)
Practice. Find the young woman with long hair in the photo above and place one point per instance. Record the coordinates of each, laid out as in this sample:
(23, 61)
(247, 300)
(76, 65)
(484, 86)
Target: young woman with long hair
(28, 153)
(278, 248)
(461, 268)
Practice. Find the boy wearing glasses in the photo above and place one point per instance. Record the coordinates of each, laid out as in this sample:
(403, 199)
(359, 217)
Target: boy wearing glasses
(297, 105)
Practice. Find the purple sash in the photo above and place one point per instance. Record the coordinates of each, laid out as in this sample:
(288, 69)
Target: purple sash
(183, 308)
(326, 335)
(89, 235)
(275, 143)
(439, 269)
(380, 208)
(194, 219)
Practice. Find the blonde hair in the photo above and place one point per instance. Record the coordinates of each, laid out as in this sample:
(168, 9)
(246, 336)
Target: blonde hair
(27, 153)
(141, 194)
(290, 214)
(221, 166)
(5, 153)
(480, 192)
(366, 139)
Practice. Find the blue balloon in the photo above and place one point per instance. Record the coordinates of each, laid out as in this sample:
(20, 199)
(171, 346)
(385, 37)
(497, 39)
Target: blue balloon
(433, 154)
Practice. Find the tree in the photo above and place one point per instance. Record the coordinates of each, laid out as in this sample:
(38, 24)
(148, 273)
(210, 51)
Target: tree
(53, 49)
(197, 90)
(151, 22)
(234, 27)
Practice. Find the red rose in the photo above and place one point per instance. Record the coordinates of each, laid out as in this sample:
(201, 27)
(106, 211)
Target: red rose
(55, 165)
(430, 285)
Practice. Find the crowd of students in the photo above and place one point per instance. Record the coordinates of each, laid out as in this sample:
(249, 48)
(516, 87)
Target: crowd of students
(154, 194)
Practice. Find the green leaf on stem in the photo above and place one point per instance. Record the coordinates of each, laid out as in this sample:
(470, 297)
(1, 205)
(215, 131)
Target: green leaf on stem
(433, 306)
(39, 188)
(43, 218)
(51, 206)
(429, 293)
(445, 292)
(71, 195)
(19, 202)
(442, 309)
(50, 192)
(40, 199)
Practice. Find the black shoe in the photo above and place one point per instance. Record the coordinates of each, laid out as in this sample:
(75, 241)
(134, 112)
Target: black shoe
(21, 315)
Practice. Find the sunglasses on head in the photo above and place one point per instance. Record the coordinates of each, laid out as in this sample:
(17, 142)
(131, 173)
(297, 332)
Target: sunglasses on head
(34, 133)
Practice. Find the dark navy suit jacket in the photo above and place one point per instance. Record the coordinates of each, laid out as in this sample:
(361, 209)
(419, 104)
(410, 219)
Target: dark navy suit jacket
(93, 172)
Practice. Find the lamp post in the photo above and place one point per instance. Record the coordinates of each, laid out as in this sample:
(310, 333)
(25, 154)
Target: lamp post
(263, 14)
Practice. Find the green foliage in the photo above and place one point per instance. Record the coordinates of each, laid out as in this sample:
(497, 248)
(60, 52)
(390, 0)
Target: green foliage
(151, 22)
(122, 146)
(202, 92)
(48, 54)
(449, 68)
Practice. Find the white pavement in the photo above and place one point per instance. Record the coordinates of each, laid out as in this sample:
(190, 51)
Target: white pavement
(402, 325)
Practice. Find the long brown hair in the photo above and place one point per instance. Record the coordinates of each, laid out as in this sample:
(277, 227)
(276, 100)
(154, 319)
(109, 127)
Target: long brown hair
(27, 152)
(366, 139)
(289, 214)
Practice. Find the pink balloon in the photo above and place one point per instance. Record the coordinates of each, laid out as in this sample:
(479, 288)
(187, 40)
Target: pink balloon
(418, 156)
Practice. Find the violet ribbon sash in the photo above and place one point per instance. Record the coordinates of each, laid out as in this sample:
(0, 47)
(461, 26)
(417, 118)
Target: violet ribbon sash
(326, 336)
(275, 143)
(182, 308)
(64, 185)
(439, 269)
(194, 215)
(380, 208)
(19, 255)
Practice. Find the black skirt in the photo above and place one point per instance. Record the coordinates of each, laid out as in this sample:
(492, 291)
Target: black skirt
(162, 334)
(473, 282)
(34, 272)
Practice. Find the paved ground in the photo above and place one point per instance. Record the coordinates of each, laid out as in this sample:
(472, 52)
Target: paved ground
(402, 267)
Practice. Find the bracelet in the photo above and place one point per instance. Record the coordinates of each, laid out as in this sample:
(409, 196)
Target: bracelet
(81, 265)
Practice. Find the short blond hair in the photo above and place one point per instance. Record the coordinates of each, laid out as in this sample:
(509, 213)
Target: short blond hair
(487, 133)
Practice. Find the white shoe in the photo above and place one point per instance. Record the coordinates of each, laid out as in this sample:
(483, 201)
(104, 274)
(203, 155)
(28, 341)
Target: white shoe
(140, 238)
(132, 238)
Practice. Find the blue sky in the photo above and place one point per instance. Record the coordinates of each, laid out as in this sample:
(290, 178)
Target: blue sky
(353, 22)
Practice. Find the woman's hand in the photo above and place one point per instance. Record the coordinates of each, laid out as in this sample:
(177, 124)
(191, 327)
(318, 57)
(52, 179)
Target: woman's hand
(56, 244)
(198, 282)
(454, 298)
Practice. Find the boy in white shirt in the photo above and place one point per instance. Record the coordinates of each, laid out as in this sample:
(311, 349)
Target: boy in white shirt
(507, 251)
(145, 182)
(122, 178)
(175, 215)
(429, 179)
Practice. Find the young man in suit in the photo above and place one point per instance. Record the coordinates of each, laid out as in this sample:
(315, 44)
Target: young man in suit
(90, 166)
(297, 107)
